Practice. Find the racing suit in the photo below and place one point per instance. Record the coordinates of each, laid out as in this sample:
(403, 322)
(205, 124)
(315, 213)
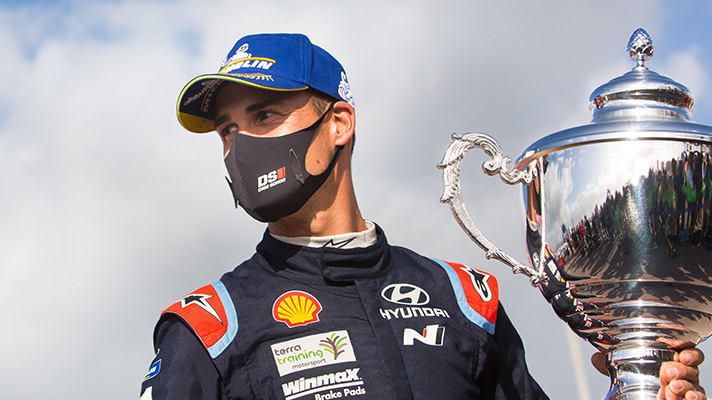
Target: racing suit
(378, 322)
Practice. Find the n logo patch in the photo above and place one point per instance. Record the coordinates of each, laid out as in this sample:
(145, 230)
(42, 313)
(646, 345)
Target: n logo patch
(433, 335)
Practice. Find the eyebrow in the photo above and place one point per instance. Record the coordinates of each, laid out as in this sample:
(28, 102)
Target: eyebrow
(220, 120)
(262, 104)
(249, 109)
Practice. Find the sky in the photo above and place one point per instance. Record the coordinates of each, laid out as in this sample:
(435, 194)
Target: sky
(110, 211)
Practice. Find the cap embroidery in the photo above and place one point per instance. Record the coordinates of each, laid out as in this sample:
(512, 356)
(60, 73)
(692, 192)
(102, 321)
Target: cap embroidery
(345, 90)
(207, 85)
(256, 76)
(240, 54)
(254, 62)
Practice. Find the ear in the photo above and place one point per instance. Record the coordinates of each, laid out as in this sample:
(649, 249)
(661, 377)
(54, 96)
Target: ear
(344, 118)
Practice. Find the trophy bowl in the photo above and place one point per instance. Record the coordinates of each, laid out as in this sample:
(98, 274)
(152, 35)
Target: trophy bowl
(618, 225)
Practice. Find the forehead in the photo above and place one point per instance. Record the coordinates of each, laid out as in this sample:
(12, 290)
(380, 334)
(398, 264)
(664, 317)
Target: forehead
(234, 94)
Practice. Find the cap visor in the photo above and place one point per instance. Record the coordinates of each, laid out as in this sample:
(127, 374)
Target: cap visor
(193, 107)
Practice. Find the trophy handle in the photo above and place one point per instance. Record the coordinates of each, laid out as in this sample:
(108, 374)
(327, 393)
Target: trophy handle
(497, 164)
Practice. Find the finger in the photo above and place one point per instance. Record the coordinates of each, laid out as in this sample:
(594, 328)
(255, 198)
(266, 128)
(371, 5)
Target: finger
(687, 353)
(678, 390)
(671, 371)
(696, 395)
(691, 357)
(677, 344)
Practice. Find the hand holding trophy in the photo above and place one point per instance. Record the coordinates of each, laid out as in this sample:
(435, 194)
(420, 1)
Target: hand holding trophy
(617, 217)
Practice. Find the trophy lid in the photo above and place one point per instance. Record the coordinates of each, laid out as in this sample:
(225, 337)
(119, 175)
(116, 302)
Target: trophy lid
(641, 93)
(638, 105)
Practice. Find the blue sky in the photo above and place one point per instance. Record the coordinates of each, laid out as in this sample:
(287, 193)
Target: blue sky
(111, 211)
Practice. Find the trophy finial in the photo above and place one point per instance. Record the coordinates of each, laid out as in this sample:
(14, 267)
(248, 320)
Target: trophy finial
(640, 47)
(641, 93)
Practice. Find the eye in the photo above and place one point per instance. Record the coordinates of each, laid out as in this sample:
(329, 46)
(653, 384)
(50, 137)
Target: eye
(228, 130)
(264, 115)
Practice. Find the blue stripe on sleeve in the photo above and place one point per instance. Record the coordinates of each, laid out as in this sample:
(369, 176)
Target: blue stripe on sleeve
(220, 346)
(469, 312)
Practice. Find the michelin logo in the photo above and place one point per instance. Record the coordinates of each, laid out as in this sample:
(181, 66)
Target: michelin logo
(243, 59)
(240, 54)
(339, 384)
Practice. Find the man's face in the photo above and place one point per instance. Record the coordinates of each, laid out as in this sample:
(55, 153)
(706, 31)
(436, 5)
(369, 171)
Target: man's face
(258, 112)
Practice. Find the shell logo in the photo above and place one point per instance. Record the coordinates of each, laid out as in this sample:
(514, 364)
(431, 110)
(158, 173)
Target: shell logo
(296, 308)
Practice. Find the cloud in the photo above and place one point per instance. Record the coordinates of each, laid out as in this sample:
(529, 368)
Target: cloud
(688, 64)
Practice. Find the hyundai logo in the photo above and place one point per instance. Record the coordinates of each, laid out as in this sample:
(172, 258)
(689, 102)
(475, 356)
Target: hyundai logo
(406, 294)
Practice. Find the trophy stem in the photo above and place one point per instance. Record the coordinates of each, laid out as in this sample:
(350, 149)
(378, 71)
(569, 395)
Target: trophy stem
(635, 372)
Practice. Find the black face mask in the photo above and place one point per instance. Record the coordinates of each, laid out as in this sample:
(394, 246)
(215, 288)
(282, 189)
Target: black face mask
(269, 179)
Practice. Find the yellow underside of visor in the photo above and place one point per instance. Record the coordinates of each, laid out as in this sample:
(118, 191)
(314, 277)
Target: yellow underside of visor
(198, 124)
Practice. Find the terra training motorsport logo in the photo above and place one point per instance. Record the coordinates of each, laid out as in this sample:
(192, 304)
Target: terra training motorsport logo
(313, 351)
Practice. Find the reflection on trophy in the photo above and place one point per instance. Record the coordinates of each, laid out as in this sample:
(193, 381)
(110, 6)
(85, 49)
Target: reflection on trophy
(618, 221)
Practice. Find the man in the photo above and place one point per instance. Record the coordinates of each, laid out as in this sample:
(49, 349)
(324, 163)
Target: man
(325, 308)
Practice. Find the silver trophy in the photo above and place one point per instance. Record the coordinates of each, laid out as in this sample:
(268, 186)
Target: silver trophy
(618, 222)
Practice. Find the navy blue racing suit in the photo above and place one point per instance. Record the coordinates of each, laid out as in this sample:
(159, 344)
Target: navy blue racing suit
(379, 322)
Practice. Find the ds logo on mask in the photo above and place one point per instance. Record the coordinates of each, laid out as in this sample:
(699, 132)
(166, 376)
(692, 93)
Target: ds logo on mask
(271, 179)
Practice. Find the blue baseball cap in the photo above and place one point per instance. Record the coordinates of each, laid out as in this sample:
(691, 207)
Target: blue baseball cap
(277, 61)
